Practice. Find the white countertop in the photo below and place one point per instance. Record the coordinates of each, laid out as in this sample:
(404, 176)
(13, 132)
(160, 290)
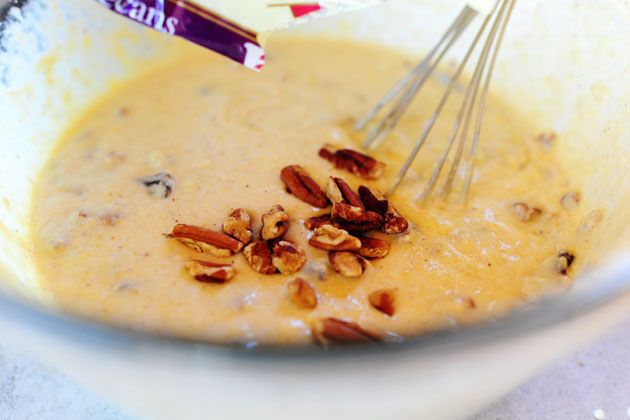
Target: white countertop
(575, 387)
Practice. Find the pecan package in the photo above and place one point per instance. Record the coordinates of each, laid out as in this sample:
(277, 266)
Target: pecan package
(235, 29)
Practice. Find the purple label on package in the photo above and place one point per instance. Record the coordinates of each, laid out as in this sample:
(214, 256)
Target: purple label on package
(196, 24)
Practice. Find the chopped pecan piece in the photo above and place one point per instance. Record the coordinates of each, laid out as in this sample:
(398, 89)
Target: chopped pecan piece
(348, 264)
(209, 272)
(331, 330)
(524, 212)
(300, 184)
(239, 225)
(333, 192)
(373, 247)
(547, 139)
(570, 200)
(331, 238)
(287, 256)
(275, 223)
(349, 211)
(352, 161)
(317, 268)
(470, 302)
(302, 294)
(591, 221)
(393, 222)
(258, 255)
(113, 159)
(315, 222)
(383, 300)
(108, 217)
(159, 185)
(206, 240)
(564, 262)
(338, 191)
(354, 218)
(373, 200)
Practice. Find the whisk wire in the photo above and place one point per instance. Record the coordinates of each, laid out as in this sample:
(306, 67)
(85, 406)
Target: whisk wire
(468, 105)
(483, 100)
(401, 95)
(400, 84)
(436, 114)
(465, 112)
(412, 83)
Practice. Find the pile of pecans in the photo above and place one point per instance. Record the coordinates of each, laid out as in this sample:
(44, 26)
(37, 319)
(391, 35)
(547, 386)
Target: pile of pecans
(342, 230)
(273, 253)
(270, 254)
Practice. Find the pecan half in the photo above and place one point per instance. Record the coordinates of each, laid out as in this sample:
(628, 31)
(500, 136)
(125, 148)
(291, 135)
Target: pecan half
(302, 294)
(348, 264)
(209, 272)
(108, 217)
(239, 225)
(287, 256)
(570, 200)
(331, 330)
(299, 183)
(258, 256)
(383, 300)
(564, 262)
(352, 161)
(275, 223)
(315, 222)
(524, 212)
(159, 185)
(355, 218)
(373, 247)
(338, 191)
(393, 222)
(206, 240)
(332, 238)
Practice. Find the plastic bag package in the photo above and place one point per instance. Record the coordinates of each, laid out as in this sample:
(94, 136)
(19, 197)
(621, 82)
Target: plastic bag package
(236, 29)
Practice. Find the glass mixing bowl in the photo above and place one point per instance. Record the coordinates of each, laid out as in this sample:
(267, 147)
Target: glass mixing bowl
(567, 60)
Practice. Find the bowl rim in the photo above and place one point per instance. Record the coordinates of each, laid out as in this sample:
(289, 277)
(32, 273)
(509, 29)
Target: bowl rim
(611, 280)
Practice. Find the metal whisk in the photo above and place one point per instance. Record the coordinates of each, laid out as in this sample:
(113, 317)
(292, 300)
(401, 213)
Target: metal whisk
(400, 96)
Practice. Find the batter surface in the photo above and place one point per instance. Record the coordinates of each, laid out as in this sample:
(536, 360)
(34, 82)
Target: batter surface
(223, 134)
